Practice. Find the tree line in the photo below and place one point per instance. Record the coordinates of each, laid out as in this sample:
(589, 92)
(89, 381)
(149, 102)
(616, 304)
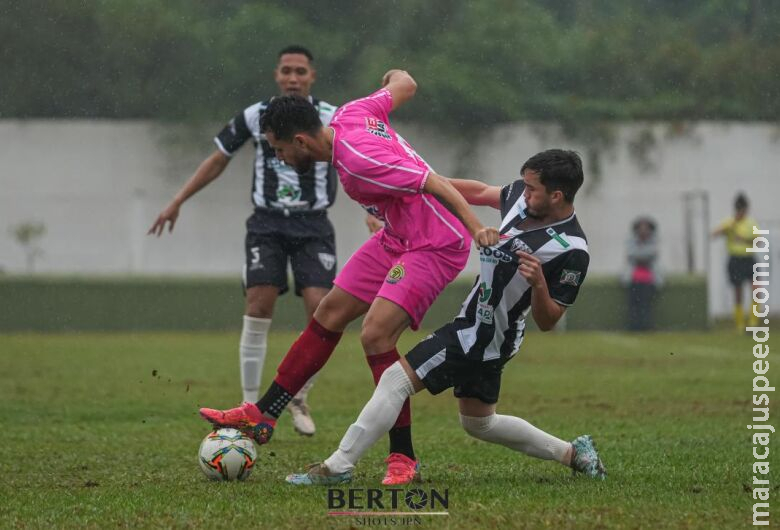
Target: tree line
(478, 63)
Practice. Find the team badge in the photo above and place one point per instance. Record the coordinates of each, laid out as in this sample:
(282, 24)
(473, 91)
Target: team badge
(327, 260)
(286, 191)
(377, 128)
(569, 277)
(396, 274)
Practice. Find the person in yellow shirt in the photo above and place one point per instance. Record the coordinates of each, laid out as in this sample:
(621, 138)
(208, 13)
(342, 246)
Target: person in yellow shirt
(738, 231)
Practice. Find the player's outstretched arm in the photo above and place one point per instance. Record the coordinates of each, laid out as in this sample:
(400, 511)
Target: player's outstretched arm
(401, 85)
(441, 188)
(478, 193)
(208, 170)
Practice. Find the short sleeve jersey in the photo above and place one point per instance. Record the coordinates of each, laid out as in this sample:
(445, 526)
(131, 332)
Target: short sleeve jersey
(491, 323)
(739, 235)
(384, 174)
(276, 185)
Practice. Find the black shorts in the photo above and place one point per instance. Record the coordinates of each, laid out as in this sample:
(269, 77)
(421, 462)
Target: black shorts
(440, 363)
(306, 239)
(740, 269)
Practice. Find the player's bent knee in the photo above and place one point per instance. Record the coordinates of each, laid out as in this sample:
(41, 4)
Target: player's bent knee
(333, 312)
(477, 426)
(375, 339)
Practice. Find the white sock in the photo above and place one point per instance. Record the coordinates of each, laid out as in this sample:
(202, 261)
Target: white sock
(376, 418)
(251, 349)
(517, 434)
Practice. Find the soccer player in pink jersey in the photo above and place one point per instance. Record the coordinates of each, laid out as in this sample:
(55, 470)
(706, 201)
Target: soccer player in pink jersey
(395, 276)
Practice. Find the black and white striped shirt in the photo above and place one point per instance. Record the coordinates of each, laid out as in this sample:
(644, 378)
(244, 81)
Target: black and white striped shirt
(276, 185)
(491, 324)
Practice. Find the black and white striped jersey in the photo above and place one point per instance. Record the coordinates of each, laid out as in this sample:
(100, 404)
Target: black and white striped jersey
(274, 184)
(491, 323)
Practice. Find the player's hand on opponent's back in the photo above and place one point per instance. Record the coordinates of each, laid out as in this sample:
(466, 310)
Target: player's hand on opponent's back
(168, 215)
(487, 236)
(373, 224)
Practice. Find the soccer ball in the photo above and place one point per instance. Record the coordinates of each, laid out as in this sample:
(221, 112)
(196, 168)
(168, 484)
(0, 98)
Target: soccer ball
(227, 454)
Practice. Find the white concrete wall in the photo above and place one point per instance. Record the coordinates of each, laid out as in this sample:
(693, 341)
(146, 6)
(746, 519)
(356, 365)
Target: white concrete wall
(98, 185)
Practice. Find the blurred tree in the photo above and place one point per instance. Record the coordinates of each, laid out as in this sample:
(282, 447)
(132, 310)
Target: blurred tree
(27, 235)
(478, 63)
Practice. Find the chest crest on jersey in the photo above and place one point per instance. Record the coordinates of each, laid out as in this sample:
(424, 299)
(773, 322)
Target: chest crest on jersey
(377, 128)
(519, 244)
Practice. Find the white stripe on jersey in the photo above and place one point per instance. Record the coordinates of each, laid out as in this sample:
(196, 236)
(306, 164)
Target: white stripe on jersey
(373, 96)
(251, 114)
(549, 250)
(378, 163)
(443, 220)
(222, 148)
(373, 181)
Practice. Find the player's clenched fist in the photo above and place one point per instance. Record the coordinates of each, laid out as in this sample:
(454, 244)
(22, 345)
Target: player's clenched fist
(486, 237)
(531, 269)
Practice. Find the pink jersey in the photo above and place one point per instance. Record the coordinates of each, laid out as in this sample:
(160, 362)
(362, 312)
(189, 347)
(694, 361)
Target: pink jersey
(382, 172)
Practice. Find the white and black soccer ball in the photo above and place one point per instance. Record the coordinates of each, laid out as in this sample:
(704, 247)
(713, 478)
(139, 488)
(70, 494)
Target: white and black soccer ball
(227, 454)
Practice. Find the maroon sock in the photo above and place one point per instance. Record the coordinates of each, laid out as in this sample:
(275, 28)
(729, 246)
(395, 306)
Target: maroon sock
(304, 359)
(379, 363)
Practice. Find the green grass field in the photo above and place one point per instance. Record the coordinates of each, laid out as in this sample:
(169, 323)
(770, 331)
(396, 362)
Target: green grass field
(102, 431)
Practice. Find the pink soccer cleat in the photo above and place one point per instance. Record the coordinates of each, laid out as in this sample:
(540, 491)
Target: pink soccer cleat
(247, 418)
(401, 470)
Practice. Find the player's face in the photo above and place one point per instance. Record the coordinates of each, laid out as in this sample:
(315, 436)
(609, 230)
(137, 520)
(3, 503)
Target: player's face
(294, 74)
(294, 153)
(538, 201)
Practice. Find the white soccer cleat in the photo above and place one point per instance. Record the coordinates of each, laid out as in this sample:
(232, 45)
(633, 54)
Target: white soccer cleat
(301, 418)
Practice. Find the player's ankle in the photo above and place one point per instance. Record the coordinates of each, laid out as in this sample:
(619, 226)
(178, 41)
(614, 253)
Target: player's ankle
(568, 456)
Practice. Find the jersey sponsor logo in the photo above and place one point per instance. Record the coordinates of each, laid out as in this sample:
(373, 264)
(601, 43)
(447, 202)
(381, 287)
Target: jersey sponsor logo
(377, 128)
(485, 310)
(493, 256)
(553, 234)
(485, 314)
(484, 292)
(570, 277)
(519, 244)
(288, 192)
(327, 260)
(396, 274)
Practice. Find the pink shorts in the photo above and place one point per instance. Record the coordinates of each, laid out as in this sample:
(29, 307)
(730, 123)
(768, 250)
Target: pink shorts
(412, 279)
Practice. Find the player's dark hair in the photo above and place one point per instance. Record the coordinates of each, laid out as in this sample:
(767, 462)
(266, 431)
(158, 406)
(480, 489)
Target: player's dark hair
(296, 49)
(287, 116)
(741, 202)
(559, 170)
